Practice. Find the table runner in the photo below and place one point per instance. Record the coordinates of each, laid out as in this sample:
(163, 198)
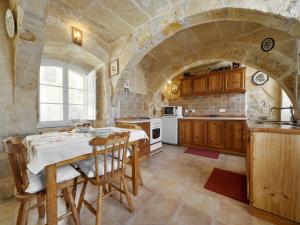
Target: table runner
(49, 148)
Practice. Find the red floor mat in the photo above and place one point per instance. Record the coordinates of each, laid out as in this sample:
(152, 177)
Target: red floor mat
(203, 152)
(230, 184)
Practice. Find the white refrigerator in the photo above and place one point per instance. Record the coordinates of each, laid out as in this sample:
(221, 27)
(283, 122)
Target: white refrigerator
(170, 130)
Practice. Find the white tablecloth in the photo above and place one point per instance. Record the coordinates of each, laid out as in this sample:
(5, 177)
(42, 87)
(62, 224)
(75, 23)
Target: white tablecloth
(49, 148)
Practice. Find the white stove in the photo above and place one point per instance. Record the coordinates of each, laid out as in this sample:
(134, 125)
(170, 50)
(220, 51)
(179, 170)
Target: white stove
(155, 134)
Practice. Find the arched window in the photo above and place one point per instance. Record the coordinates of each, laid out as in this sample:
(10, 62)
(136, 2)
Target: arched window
(67, 94)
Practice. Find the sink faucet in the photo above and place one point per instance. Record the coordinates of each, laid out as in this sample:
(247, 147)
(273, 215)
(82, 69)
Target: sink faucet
(291, 108)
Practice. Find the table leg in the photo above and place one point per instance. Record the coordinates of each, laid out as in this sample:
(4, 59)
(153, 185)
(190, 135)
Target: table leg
(51, 196)
(135, 166)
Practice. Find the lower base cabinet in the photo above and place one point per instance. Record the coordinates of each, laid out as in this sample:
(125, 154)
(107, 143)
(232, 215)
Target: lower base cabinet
(234, 136)
(274, 172)
(185, 132)
(144, 145)
(199, 132)
(216, 135)
(226, 136)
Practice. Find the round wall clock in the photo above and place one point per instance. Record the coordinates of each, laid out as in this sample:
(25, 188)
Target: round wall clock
(267, 44)
(174, 88)
(10, 23)
(260, 78)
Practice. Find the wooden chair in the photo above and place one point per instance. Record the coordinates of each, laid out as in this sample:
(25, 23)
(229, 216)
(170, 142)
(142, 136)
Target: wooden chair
(103, 169)
(17, 154)
(135, 127)
(68, 129)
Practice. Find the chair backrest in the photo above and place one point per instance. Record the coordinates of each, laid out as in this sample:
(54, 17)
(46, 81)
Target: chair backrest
(68, 129)
(17, 154)
(129, 126)
(114, 155)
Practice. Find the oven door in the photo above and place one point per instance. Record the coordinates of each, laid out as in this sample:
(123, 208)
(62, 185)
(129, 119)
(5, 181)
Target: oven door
(155, 135)
(169, 111)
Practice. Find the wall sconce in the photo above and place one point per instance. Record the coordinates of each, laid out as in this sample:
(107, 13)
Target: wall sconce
(77, 36)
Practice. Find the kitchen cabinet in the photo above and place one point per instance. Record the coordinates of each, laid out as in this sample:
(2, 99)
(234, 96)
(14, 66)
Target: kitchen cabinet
(200, 85)
(274, 173)
(186, 87)
(234, 137)
(223, 135)
(186, 132)
(229, 81)
(235, 81)
(144, 145)
(216, 83)
(200, 132)
(216, 134)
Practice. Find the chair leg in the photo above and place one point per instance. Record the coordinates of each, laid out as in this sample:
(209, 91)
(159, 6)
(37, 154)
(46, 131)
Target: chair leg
(124, 181)
(99, 205)
(74, 188)
(140, 177)
(23, 213)
(71, 200)
(81, 198)
(41, 206)
(121, 192)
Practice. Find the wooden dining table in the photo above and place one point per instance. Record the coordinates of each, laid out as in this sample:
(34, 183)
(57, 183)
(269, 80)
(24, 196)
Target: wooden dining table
(52, 150)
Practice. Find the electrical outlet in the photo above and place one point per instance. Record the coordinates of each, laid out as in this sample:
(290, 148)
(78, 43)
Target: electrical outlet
(186, 111)
(222, 110)
(193, 110)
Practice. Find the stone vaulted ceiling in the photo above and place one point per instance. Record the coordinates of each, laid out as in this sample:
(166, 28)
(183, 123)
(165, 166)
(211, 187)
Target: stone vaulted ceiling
(222, 40)
(103, 22)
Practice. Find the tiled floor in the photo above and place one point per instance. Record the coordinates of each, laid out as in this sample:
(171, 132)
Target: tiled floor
(173, 195)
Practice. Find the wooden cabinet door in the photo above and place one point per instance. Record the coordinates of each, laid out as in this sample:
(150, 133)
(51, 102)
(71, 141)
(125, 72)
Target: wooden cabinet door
(235, 81)
(215, 134)
(186, 132)
(200, 132)
(200, 85)
(216, 83)
(186, 87)
(234, 138)
(275, 173)
(144, 145)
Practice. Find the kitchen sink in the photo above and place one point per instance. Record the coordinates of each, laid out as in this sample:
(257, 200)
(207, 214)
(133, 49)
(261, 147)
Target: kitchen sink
(277, 122)
(274, 122)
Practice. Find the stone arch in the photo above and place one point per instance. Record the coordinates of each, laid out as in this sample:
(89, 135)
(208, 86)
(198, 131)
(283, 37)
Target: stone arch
(153, 32)
(282, 72)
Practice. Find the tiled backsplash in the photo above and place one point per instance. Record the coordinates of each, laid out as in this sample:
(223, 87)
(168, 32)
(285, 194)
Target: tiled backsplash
(234, 104)
(133, 105)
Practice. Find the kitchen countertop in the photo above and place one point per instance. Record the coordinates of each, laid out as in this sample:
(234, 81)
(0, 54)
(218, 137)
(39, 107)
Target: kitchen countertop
(271, 128)
(212, 118)
(132, 120)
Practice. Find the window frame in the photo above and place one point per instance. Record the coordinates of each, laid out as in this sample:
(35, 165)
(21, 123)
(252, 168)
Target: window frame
(65, 68)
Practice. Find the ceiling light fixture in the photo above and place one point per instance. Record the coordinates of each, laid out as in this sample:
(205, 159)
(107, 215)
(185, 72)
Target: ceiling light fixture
(77, 36)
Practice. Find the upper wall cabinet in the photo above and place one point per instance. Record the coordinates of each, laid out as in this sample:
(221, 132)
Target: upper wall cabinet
(235, 81)
(186, 87)
(216, 83)
(200, 85)
(213, 83)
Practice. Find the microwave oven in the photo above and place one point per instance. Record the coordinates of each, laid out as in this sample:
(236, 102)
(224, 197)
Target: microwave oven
(173, 111)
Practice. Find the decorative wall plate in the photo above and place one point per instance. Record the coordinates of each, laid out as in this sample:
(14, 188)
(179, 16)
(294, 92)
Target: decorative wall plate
(174, 88)
(260, 78)
(10, 23)
(267, 44)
